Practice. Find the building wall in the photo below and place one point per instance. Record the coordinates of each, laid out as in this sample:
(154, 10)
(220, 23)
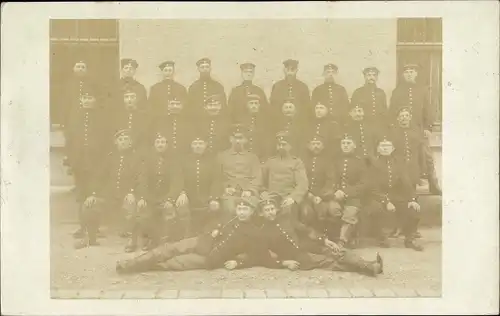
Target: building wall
(352, 44)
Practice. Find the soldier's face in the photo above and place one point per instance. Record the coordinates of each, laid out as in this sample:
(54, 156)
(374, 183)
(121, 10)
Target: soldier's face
(288, 109)
(168, 71)
(213, 108)
(88, 101)
(283, 147)
(290, 72)
(357, 114)
(371, 77)
(253, 106)
(330, 74)
(244, 212)
(248, 74)
(410, 75)
(80, 69)
(204, 68)
(130, 100)
(128, 71)
(385, 148)
(161, 144)
(175, 107)
(238, 141)
(347, 146)
(316, 146)
(269, 212)
(404, 118)
(198, 146)
(123, 142)
(320, 111)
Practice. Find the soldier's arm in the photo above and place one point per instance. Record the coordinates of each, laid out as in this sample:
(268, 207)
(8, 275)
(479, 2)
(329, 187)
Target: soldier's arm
(393, 105)
(383, 107)
(408, 187)
(356, 96)
(273, 99)
(307, 95)
(301, 182)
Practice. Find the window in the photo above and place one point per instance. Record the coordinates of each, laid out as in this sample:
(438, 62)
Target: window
(420, 41)
(93, 30)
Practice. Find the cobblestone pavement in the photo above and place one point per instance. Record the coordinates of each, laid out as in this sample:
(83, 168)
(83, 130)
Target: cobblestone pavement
(89, 273)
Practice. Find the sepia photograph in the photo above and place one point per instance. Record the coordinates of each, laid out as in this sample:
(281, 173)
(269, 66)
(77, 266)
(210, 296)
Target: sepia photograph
(274, 158)
(245, 158)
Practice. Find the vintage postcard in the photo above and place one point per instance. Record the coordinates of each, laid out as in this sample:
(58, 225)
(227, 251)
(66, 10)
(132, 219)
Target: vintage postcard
(250, 158)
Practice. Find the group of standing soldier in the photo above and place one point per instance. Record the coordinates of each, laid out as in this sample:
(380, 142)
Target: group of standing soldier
(220, 174)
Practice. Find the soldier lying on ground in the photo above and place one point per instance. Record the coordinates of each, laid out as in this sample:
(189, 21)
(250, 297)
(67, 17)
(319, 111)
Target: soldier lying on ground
(233, 244)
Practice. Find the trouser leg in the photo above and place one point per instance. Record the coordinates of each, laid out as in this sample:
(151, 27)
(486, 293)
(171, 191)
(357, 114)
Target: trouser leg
(331, 219)
(349, 220)
(159, 254)
(350, 262)
(183, 216)
(132, 222)
(185, 262)
(377, 217)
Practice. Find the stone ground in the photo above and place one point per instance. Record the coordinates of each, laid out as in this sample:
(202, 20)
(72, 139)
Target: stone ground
(89, 273)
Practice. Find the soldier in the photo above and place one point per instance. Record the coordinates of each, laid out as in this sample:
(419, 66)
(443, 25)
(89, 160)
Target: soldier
(392, 191)
(240, 170)
(84, 144)
(127, 81)
(371, 98)
(159, 190)
(289, 121)
(233, 244)
(407, 141)
(290, 87)
(349, 187)
(204, 87)
(416, 97)
(239, 95)
(133, 117)
(289, 252)
(113, 189)
(168, 100)
(324, 127)
(362, 132)
(214, 125)
(258, 122)
(321, 181)
(331, 94)
(202, 185)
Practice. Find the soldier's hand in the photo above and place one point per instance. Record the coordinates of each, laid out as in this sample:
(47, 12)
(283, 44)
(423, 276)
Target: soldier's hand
(181, 200)
(264, 195)
(230, 191)
(130, 198)
(246, 194)
(230, 265)
(90, 201)
(332, 245)
(213, 205)
(168, 205)
(427, 133)
(339, 195)
(290, 264)
(317, 200)
(287, 202)
(414, 205)
(141, 204)
(215, 233)
(390, 207)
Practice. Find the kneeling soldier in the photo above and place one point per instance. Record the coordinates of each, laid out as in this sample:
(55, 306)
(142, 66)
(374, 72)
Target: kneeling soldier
(287, 251)
(234, 243)
(392, 190)
(159, 188)
(114, 188)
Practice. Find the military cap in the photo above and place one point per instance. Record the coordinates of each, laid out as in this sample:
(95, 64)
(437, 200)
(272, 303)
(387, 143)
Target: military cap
(212, 98)
(347, 136)
(321, 104)
(204, 60)
(411, 66)
(247, 66)
(129, 61)
(165, 64)
(371, 69)
(160, 134)
(269, 199)
(197, 134)
(404, 108)
(251, 97)
(248, 201)
(316, 137)
(175, 100)
(239, 128)
(90, 90)
(122, 132)
(289, 99)
(291, 63)
(283, 136)
(384, 137)
(130, 89)
(80, 58)
(355, 106)
(331, 66)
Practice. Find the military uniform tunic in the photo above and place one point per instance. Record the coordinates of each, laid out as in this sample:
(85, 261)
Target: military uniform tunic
(364, 135)
(320, 173)
(163, 92)
(334, 97)
(374, 103)
(216, 130)
(416, 97)
(258, 132)
(240, 170)
(136, 122)
(238, 99)
(200, 90)
(294, 88)
(201, 179)
(407, 142)
(328, 130)
(286, 176)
